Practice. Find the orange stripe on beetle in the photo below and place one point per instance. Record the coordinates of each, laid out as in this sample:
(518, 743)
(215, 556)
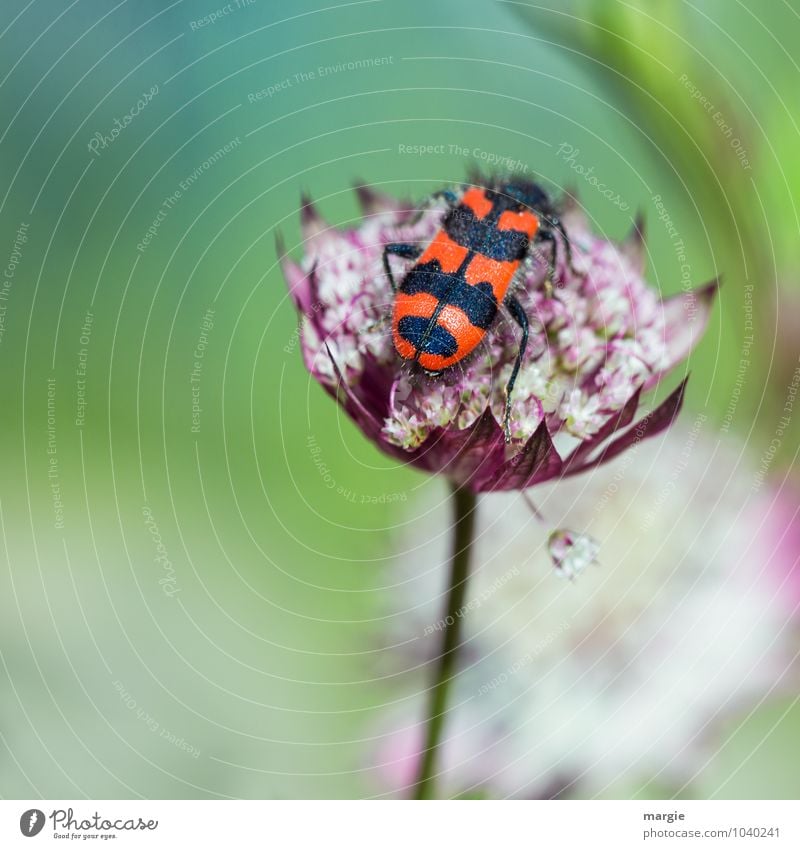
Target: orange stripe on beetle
(449, 254)
(523, 221)
(457, 322)
(498, 274)
(476, 200)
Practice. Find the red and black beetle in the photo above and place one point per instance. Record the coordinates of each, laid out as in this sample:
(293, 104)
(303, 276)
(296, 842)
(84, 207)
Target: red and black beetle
(451, 295)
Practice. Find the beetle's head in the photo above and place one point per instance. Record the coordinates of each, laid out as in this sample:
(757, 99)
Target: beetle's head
(527, 193)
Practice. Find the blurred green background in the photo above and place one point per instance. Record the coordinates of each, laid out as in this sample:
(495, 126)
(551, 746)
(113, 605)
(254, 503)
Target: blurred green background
(186, 608)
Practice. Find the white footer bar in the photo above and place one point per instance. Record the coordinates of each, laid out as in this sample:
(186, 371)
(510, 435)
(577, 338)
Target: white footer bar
(386, 825)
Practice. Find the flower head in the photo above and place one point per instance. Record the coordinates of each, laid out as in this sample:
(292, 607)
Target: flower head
(598, 339)
(630, 673)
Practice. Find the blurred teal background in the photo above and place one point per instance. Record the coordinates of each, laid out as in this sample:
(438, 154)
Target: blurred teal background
(186, 607)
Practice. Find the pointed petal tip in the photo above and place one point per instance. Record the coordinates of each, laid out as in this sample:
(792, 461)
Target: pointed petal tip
(308, 211)
(374, 202)
(300, 284)
(638, 225)
(708, 291)
(667, 411)
(569, 199)
(368, 199)
(311, 222)
(633, 245)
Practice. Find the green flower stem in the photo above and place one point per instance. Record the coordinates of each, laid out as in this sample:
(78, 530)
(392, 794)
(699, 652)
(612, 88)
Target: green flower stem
(464, 504)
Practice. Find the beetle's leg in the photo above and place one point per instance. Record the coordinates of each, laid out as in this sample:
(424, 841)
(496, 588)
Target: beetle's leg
(555, 221)
(401, 249)
(518, 314)
(545, 235)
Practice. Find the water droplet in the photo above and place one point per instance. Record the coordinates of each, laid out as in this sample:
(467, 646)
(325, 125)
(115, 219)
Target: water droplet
(571, 552)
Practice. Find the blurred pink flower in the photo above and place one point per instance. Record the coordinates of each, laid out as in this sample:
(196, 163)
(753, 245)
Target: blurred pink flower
(623, 675)
(597, 342)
